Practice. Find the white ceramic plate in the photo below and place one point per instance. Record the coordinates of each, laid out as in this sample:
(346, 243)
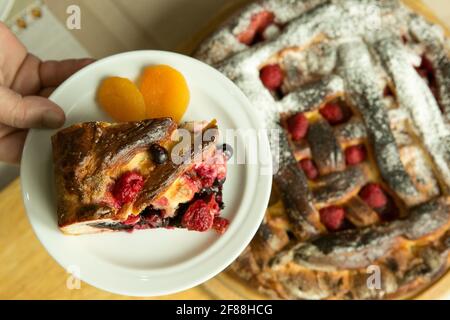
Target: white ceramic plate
(149, 262)
(5, 8)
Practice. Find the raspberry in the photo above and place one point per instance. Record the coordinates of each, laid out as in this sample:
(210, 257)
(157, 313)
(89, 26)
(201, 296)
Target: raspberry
(298, 126)
(309, 168)
(373, 195)
(271, 76)
(355, 154)
(332, 217)
(207, 173)
(214, 168)
(127, 187)
(220, 225)
(227, 151)
(132, 220)
(200, 215)
(109, 200)
(259, 22)
(161, 202)
(333, 113)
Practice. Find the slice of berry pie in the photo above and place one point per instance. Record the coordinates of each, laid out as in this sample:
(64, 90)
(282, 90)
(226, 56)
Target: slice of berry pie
(356, 94)
(139, 175)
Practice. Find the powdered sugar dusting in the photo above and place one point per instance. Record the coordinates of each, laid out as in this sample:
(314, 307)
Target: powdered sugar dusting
(415, 96)
(353, 49)
(352, 21)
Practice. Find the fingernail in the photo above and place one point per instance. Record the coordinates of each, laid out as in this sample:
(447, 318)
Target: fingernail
(53, 119)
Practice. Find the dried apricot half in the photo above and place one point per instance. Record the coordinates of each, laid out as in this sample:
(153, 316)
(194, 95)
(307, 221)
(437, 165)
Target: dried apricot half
(165, 91)
(121, 99)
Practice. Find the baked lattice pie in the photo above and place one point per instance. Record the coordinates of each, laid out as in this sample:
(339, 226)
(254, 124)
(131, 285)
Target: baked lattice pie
(128, 176)
(360, 90)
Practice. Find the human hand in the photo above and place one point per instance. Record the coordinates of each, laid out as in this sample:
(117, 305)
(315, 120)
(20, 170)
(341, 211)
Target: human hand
(25, 84)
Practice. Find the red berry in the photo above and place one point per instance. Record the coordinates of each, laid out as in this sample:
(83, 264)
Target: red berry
(207, 173)
(333, 113)
(220, 225)
(200, 215)
(373, 195)
(127, 187)
(259, 22)
(309, 168)
(298, 126)
(332, 217)
(271, 76)
(355, 154)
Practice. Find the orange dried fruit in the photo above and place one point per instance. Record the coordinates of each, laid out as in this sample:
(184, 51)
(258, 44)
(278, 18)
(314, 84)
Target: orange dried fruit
(165, 91)
(121, 99)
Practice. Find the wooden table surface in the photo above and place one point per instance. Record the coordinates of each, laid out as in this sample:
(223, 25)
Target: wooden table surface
(28, 272)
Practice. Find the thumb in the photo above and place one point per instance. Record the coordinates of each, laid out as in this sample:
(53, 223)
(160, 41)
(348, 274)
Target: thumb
(29, 112)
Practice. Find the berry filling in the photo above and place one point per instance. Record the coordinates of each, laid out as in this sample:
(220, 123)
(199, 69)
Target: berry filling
(405, 39)
(258, 24)
(333, 113)
(373, 195)
(309, 168)
(332, 217)
(271, 76)
(158, 153)
(355, 154)
(127, 187)
(298, 126)
(193, 201)
(227, 151)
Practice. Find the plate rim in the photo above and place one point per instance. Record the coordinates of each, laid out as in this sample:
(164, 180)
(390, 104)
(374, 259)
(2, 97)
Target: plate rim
(264, 193)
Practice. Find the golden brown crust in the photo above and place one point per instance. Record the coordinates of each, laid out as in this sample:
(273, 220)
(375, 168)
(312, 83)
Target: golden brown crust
(88, 157)
(410, 255)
